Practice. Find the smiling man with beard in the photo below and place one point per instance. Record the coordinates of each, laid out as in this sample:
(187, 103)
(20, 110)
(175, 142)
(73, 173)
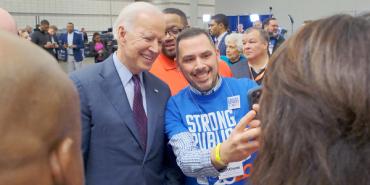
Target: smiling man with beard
(165, 66)
(206, 122)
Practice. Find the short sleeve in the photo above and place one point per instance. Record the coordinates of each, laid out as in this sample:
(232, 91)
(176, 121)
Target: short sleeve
(173, 122)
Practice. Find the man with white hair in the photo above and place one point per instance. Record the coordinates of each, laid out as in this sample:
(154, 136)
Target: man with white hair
(122, 105)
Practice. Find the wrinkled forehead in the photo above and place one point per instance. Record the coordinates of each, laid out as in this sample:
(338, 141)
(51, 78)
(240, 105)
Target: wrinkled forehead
(149, 24)
(195, 45)
(254, 34)
(273, 23)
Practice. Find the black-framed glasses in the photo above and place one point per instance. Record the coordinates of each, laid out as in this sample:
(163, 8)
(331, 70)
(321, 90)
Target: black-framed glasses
(174, 31)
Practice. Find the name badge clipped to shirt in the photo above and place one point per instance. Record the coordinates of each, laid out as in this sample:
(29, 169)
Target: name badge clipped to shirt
(234, 169)
(233, 102)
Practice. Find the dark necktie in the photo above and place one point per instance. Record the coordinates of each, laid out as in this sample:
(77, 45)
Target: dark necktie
(139, 112)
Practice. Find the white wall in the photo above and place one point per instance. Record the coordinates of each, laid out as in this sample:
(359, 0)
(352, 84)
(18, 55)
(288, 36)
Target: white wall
(301, 10)
(194, 9)
(93, 15)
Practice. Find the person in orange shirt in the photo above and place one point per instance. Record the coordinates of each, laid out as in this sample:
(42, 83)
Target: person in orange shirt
(165, 66)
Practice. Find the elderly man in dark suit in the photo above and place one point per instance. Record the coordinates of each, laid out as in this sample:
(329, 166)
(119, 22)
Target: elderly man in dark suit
(122, 105)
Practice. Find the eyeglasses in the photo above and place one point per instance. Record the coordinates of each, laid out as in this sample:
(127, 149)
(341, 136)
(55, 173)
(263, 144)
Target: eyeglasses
(174, 31)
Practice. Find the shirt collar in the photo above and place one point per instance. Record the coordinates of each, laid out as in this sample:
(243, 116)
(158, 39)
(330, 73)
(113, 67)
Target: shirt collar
(124, 74)
(214, 89)
(219, 38)
(166, 62)
(257, 71)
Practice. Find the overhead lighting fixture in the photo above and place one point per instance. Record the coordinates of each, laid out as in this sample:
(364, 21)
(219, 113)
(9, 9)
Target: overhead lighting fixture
(206, 18)
(254, 17)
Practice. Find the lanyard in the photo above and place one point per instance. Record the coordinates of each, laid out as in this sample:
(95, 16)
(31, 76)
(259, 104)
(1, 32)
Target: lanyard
(259, 76)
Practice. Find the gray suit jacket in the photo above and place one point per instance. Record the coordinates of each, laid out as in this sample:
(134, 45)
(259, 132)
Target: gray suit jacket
(111, 145)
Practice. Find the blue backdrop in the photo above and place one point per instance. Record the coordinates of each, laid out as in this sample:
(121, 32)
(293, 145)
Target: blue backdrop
(243, 19)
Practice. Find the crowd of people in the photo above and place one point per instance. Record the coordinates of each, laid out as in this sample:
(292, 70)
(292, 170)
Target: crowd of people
(171, 106)
(72, 46)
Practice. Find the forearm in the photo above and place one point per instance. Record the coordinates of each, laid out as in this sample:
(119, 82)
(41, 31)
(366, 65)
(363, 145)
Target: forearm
(194, 162)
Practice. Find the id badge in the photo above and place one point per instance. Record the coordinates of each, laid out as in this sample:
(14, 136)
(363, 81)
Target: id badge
(234, 169)
(233, 102)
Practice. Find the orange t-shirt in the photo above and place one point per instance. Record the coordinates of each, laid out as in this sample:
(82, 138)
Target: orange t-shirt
(166, 70)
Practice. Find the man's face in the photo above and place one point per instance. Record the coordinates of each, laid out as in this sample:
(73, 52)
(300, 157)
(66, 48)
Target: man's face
(70, 28)
(257, 24)
(214, 29)
(198, 62)
(44, 27)
(253, 45)
(174, 26)
(51, 31)
(142, 44)
(232, 51)
(273, 28)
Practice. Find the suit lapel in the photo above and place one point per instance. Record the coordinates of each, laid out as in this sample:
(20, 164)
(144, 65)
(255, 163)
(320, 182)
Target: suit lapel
(151, 94)
(74, 38)
(115, 92)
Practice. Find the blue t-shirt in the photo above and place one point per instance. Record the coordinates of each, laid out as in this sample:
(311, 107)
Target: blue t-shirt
(209, 119)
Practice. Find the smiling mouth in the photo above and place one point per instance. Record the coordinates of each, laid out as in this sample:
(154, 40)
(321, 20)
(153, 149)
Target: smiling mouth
(169, 45)
(202, 76)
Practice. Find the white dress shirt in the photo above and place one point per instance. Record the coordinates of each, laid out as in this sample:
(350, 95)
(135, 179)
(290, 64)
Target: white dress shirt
(219, 38)
(126, 78)
(70, 43)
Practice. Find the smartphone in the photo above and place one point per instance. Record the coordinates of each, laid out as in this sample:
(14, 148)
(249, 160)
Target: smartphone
(254, 96)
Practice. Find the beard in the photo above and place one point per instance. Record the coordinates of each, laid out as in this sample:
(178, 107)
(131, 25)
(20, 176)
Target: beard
(169, 54)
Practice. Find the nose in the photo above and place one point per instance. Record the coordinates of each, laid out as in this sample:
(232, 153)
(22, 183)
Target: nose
(246, 46)
(199, 65)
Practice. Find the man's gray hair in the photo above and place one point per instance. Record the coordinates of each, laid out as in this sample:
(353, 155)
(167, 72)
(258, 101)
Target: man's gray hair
(127, 16)
(264, 36)
(236, 38)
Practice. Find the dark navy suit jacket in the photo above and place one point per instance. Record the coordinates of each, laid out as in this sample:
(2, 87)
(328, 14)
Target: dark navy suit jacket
(77, 40)
(112, 151)
(222, 45)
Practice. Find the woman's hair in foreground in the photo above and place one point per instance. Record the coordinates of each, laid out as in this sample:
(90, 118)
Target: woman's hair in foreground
(315, 107)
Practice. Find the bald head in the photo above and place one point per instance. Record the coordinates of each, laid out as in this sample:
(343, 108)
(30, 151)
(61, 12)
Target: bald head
(39, 117)
(7, 22)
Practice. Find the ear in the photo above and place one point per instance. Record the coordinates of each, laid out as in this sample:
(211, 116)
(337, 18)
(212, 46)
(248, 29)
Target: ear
(177, 64)
(121, 33)
(60, 159)
(218, 53)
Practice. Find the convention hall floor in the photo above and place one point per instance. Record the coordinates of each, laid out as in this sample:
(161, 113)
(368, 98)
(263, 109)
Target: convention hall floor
(87, 61)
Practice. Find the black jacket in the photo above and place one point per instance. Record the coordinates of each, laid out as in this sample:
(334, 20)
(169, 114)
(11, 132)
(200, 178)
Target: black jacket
(41, 38)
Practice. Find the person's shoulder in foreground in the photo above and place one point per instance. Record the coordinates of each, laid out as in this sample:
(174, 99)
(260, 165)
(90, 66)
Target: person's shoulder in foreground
(40, 133)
